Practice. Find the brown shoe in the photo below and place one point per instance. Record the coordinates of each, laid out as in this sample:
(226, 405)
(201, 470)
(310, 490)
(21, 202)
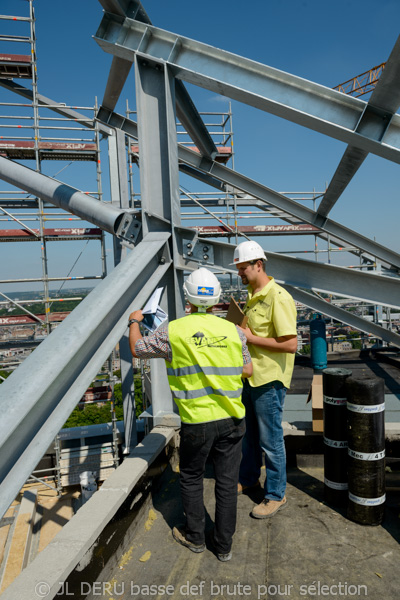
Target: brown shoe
(179, 535)
(268, 508)
(241, 489)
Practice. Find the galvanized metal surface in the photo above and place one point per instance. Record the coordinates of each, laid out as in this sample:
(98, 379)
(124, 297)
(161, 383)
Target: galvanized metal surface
(298, 100)
(343, 316)
(382, 105)
(109, 218)
(217, 175)
(38, 398)
(159, 182)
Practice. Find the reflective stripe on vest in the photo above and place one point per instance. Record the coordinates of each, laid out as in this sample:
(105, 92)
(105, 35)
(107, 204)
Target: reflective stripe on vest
(205, 372)
(188, 394)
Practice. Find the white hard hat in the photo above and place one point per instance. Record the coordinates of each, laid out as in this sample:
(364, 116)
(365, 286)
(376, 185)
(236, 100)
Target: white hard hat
(202, 288)
(247, 251)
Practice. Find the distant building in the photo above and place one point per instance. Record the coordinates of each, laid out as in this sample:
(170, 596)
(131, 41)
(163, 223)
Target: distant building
(342, 346)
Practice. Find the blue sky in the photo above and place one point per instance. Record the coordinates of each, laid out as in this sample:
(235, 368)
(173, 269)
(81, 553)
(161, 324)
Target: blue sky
(324, 41)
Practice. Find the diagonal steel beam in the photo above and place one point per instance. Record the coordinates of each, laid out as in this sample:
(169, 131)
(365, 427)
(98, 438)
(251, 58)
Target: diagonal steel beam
(344, 316)
(119, 71)
(248, 200)
(386, 95)
(382, 105)
(217, 175)
(341, 281)
(126, 8)
(192, 122)
(61, 109)
(113, 220)
(306, 215)
(351, 161)
(186, 110)
(37, 399)
(309, 275)
(309, 104)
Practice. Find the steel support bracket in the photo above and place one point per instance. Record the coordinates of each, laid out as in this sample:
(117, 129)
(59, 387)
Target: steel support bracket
(194, 248)
(198, 250)
(374, 122)
(128, 228)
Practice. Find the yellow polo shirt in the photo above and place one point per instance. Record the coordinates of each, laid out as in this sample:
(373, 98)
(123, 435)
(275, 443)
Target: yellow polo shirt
(271, 313)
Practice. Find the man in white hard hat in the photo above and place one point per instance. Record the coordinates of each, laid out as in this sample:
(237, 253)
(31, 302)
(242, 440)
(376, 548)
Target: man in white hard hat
(206, 358)
(272, 339)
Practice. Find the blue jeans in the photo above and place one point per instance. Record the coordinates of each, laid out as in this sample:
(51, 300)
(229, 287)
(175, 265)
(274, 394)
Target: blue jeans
(222, 441)
(264, 433)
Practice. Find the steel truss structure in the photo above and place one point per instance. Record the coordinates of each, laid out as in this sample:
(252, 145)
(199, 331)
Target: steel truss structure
(151, 245)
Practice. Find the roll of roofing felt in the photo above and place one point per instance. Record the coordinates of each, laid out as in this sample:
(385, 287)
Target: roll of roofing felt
(366, 449)
(335, 436)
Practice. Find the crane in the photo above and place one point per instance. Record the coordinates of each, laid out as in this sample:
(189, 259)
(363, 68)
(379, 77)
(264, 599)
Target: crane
(361, 84)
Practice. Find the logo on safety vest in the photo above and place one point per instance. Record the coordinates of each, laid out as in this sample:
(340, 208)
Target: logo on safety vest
(199, 339)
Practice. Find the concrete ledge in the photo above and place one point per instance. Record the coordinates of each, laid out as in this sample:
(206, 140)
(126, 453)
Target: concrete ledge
(46, 574)
(299, 428)
(392, 432)
(304, 428)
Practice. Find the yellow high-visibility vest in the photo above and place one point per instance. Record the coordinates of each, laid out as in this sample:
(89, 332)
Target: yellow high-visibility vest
(206, 368)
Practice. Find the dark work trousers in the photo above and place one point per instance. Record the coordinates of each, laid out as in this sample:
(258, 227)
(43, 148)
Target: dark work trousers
(222, 441)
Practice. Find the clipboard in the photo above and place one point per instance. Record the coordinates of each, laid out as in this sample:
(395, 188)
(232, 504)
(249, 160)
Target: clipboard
(235, 314)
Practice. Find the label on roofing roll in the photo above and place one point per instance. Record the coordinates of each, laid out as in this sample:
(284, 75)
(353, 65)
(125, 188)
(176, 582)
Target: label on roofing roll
(335, 443)
(367, 501)
(335, 401)
(367, 455)
(364, 408)
(335, 485)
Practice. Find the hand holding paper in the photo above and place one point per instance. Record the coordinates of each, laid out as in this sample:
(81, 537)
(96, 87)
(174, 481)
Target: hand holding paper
(153, 314)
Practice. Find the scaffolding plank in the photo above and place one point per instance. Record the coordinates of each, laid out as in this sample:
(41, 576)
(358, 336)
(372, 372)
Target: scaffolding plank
(16, 65)
(25, 150)
(65, 234)
(224, 231)
(54, 317)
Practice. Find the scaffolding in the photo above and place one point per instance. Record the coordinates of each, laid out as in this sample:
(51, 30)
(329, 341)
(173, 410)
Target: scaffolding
(30, 131)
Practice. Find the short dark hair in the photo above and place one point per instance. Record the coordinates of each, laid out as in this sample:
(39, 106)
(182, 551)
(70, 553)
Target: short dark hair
(253, 262)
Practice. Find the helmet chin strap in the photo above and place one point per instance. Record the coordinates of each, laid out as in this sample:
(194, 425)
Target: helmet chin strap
(201, 309)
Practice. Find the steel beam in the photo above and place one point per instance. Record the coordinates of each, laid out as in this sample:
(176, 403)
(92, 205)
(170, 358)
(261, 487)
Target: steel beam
(119, 71)
(61, 109)
(343, 316)
(186, 110)
(159, 184)
(37, 399)
(386, 95)
(303, 102)
(126, 8)
(342, 281)
(120, 199)
(310, 275)
(382, 105)
(115, 221)
(219, 176)
(193, 123)
(350, 163)
(306, 215)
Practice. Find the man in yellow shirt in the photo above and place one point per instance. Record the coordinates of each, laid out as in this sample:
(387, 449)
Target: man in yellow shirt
(272, 341)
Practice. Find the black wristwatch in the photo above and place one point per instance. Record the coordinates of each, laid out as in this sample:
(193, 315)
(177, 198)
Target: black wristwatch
(132, 321)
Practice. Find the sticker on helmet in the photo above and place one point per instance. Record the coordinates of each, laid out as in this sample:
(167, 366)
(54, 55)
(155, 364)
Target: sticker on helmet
(205, 291)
